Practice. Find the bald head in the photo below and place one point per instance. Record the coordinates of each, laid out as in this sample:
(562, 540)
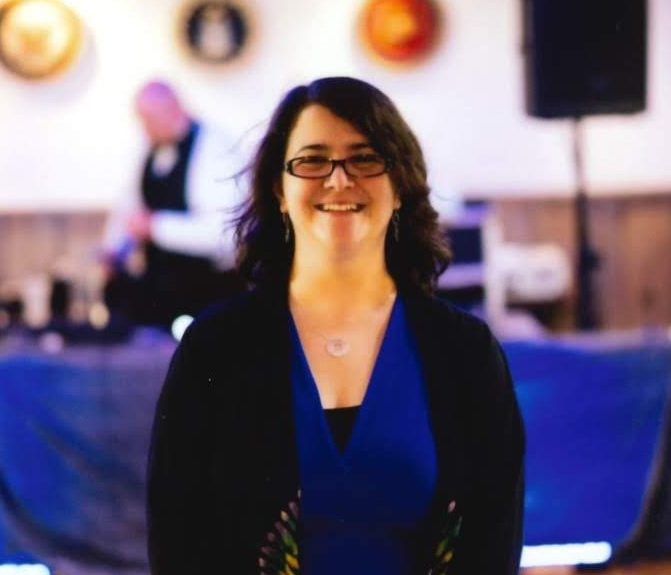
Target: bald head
(164, 118)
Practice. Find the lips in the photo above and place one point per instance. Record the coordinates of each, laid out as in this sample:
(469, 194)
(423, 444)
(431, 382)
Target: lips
(340, 207)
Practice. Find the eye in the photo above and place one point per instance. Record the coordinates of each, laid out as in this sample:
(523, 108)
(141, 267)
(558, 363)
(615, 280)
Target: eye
(307, 161)
(365, 159)
(366, 165)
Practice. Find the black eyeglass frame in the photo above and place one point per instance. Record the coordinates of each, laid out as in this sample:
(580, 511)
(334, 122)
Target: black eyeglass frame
(289, 168)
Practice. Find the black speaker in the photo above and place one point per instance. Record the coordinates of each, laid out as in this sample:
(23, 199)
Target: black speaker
(584, 57)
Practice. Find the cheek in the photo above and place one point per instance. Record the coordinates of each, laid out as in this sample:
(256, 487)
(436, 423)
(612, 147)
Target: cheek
(298, 194)
(395, 197)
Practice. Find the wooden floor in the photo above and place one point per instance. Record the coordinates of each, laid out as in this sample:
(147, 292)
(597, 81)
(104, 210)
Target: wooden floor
(641, 569)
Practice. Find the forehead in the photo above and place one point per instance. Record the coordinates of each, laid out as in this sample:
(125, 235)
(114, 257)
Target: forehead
(318, 127)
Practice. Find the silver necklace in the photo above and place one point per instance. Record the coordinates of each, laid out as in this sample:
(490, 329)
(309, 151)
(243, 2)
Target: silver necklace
(337, 346)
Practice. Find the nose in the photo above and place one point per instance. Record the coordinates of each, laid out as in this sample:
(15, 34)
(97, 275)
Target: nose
(339, 179)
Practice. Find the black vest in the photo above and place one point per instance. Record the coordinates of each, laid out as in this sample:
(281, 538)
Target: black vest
(175, 283)
(168, 191)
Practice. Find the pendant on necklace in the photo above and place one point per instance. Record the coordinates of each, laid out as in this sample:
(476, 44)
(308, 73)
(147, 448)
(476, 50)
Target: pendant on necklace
(337, 347)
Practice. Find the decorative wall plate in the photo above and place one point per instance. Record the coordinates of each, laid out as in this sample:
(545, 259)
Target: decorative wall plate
(400, 31)
(38, 38)
(213, 31)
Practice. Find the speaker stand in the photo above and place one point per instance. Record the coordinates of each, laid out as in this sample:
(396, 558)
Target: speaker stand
(587, 258)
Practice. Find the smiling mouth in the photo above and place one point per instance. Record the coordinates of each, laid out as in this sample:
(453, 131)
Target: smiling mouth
(340, 208)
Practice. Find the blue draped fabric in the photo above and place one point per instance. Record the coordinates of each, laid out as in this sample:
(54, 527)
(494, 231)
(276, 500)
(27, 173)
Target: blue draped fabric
(592, 413)
(74, 434)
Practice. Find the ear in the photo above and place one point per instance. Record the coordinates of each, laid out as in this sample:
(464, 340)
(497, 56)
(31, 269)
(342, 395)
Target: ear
(279, 194)
(397, 203)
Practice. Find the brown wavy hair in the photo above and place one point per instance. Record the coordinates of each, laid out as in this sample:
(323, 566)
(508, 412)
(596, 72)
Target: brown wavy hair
(421, 253)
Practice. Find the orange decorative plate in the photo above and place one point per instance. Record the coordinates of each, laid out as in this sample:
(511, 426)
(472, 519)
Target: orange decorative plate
(401, 31)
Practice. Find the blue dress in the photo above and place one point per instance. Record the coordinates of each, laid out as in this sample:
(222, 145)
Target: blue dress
(360, 507)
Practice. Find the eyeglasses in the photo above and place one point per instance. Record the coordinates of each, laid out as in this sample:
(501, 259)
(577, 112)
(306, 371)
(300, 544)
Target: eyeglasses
(356, 166)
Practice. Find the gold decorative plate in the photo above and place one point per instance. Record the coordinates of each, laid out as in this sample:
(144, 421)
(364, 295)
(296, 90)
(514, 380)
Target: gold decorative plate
(38, 38)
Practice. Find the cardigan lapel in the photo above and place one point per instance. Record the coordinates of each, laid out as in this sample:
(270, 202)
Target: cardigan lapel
(432, 323)
(270, 374)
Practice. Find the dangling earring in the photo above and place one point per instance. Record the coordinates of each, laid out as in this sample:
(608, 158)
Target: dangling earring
(287, 227)
(395, 220)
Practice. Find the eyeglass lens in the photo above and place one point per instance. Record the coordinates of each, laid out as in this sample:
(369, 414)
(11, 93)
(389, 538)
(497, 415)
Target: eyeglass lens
(364, 165)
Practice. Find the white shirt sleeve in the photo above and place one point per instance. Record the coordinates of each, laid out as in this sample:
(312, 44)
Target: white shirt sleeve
(213, 194)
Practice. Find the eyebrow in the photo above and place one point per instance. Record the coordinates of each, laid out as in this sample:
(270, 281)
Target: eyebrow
(324, 147)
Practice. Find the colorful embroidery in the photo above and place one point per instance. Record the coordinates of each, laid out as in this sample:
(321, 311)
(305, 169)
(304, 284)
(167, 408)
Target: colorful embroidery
(279, 554)
(444, 552)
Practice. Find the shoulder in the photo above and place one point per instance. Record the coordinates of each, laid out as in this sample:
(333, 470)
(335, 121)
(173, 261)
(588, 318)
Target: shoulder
(244, 322)
(447, 322)
(458, 347)
(222, 340)
(228, 319)
(474, 341)
(453, 315)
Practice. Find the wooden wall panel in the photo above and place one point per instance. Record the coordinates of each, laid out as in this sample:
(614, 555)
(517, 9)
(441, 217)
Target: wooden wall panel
(632, 237)
(38, 245)
(631, 234)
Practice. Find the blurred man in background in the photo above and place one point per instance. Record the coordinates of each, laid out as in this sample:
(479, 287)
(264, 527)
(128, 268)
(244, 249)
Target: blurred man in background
(169, 250)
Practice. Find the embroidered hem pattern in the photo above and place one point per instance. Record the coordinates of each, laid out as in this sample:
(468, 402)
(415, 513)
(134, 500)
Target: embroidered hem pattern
(279, 553)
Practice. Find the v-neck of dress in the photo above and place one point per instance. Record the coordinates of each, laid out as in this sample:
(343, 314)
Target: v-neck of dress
(304, 374)
(361, 507)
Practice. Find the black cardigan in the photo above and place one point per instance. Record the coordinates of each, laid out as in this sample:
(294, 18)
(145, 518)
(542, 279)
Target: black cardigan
(223, 461)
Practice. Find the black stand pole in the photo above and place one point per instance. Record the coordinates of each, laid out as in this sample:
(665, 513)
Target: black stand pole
(587, 258)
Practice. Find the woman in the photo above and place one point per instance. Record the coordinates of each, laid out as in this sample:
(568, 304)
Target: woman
(337, 418)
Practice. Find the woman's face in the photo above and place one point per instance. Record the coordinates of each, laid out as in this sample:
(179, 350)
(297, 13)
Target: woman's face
(338, 214)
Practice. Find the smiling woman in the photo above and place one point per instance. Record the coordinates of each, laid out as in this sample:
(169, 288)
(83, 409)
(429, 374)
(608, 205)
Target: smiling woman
(337, 418)
(376, 130)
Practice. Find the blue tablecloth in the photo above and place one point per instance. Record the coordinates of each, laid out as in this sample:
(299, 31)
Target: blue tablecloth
(74, 432)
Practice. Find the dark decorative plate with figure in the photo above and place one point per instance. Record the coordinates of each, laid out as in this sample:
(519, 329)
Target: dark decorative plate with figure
(214, 31)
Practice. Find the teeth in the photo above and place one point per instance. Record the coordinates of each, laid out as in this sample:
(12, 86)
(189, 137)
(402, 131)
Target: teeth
(339, 207)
